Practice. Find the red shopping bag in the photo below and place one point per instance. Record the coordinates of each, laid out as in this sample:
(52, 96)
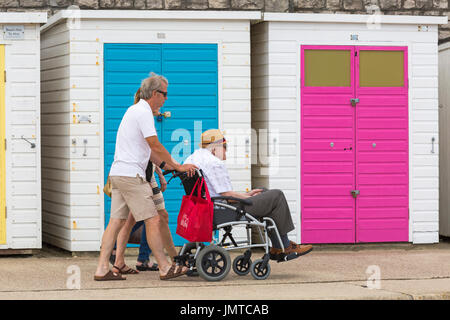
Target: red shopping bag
(195, 219)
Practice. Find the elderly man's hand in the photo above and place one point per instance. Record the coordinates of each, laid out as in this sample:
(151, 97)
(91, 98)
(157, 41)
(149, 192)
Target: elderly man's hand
(254, 192)
(188, 168)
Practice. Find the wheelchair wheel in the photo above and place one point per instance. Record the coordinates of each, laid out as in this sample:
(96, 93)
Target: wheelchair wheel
(190, 250)
(213, 263)
(240, 267)
(258, 272)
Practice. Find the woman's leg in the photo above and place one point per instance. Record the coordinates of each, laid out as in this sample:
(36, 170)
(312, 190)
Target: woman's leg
(166, 235)
(158, 199)
(144, 249)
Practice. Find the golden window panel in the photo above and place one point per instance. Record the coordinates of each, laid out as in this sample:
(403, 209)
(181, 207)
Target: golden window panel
(381, 68)
(327, 68)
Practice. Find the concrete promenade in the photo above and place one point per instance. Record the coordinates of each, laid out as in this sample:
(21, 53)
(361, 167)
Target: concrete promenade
(329, 272)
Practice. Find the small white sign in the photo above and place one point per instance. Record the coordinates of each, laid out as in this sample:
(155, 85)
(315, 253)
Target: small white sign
(11, 32)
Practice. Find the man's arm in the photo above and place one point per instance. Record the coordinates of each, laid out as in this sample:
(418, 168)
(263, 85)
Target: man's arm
(163, 155)
(157, 161)
(234, 194)
(241, 195)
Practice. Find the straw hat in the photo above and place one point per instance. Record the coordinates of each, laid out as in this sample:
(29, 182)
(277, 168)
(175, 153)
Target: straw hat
(212, 136)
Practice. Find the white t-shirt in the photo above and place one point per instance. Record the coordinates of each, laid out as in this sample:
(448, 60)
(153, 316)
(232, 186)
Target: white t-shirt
(216, 174)
(132, 150)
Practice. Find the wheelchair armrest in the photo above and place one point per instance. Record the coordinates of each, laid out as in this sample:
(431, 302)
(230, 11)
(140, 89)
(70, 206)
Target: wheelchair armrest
(243, 201)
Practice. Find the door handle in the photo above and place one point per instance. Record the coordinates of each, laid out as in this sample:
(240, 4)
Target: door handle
(354, 193)
(166, 114)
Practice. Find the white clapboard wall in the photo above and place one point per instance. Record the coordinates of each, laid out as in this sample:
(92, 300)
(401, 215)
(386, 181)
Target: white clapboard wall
(444, 150)
(276, 104)
(22, 102)
(72, 87)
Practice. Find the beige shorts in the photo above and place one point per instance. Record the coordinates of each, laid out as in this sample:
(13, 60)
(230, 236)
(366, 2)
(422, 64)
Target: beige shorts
(131, 194)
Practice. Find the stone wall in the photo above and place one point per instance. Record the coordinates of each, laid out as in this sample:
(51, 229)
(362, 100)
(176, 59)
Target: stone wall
(403, 7)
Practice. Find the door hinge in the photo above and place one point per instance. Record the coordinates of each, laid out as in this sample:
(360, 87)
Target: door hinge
(5, 143)
(4, 75)
(354, 193)
(6, 212)
(354, 102)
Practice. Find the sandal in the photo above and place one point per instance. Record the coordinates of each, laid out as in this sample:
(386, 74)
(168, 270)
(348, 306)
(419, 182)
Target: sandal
(145, 267)
(109, 277)
(172, 274)
(128, 271)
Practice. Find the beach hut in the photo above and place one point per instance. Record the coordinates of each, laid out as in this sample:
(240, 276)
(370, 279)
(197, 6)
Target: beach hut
(444, 121)
(92, 64)
(20, 141)
(350, 104)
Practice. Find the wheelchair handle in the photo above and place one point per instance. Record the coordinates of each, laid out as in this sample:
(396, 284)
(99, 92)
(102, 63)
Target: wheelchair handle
(166, 172)
(176, 173)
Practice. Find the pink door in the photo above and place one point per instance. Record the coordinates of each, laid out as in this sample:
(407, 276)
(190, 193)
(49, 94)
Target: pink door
(382, 144)
(327, 144)
(354, 144)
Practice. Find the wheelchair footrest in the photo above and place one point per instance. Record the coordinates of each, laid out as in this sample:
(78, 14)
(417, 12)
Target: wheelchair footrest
(291, 256)
(282, 257)
(192, 273)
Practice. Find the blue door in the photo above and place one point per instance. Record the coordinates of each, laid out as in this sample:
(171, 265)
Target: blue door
(191, 70)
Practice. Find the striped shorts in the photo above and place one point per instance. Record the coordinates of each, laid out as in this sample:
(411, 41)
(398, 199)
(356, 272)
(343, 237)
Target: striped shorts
(157, 197)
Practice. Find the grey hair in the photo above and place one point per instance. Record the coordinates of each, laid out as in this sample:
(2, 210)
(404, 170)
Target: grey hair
(150, 84)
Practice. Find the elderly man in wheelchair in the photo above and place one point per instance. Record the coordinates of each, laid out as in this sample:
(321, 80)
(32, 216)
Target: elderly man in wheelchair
(266, 209)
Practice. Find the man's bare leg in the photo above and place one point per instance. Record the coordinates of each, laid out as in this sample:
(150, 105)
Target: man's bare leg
(122, 240)
(108, 240)
(154, 239)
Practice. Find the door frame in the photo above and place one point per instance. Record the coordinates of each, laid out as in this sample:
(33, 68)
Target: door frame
(299, 83)
(348, 90)
(3, 124)
(107, 38)
(404, 90)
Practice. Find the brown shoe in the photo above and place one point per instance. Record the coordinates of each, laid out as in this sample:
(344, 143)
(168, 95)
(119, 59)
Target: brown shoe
(300, 250)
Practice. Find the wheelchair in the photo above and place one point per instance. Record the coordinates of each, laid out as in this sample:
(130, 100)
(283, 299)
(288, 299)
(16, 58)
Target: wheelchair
(213, 262)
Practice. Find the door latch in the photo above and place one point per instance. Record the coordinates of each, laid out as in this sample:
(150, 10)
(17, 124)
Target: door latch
(432, 144)
(166, 114)
(354, 102)
(354, 193)
(32, 145)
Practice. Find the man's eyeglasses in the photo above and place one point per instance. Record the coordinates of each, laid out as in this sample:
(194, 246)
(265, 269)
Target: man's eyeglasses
(164, 93)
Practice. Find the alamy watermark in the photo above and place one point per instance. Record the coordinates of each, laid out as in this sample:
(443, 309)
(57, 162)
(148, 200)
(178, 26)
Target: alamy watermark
(374, 279)
(374, 19)
(74, 280)
(245, 147)
(73, 17)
